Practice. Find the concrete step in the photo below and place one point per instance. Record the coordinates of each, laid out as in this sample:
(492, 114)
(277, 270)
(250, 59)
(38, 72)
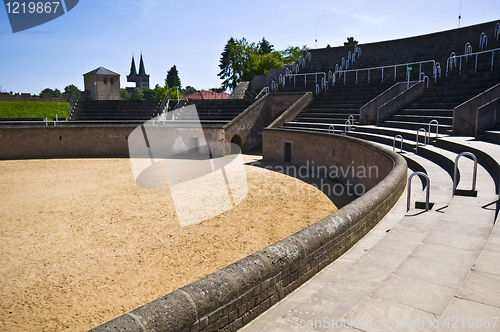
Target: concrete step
(443, 129)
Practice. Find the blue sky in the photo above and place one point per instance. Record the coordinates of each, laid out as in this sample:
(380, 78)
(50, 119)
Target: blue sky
(192, 34)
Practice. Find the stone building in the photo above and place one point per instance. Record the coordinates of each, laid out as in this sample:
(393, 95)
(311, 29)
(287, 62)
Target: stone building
(102, 84)
(141, 79)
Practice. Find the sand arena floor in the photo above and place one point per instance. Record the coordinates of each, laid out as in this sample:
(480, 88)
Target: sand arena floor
(82, 244)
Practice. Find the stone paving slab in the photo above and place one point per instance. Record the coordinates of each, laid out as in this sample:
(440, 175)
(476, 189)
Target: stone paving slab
(335, 299)
(446, 254)
(461, 241)
(435, 272)
(458, 227)
(418, 226)
(464, 315)
(365, 274)
(494, 242)
(375, 314)
(488, 262)
(415, 293)
(481, 287)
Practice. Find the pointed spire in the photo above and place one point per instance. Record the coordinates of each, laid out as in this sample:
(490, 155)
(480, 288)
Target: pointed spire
(142, 71)
(133, 72)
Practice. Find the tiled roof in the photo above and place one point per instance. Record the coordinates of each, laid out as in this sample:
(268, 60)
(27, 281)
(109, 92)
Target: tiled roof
(101, 71)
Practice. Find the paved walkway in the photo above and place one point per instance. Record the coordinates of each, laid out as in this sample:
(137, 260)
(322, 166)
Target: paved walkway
(415, 271)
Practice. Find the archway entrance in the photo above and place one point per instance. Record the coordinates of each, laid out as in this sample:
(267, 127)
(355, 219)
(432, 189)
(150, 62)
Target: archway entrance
(237, 141)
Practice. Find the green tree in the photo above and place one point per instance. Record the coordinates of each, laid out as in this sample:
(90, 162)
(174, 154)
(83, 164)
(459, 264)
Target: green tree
(160, 92)
(56, 93)
(46, 90)
(229, 65)
(149, 94)
(260, 64)
(173, 92)
(292, 54)
(350, 41)
(124, 95)
(265, 47)
(71, 89)
(137, 94)
(53, 93)
(173, 77)
(241, 60)
(188, 90)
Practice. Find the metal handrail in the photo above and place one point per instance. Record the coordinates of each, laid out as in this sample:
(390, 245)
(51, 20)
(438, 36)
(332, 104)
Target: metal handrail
(427, 195)
(437, 129)
(394, 143)
(317, 88)
(351, 117)
(346, 125)
(305, 77)
(71, 104)
(164, 103)
(468, 50)
(436, 69)
(497, 31)
(483, 40)
(331, 129)
(424, 78)
(274, 86)
(264, 91)
(357, 50)
(425, 138)
(454, 60)
(455, 172)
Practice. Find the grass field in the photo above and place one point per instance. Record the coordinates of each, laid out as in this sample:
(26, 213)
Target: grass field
(28, 109)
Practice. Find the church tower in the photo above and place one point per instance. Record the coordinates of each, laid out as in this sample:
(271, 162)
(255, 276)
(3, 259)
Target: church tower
(142, 79)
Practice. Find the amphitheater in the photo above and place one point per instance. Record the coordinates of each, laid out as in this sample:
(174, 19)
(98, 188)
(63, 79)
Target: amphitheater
(414, 246)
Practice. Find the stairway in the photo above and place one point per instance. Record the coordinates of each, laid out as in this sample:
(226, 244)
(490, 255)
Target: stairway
(115, 110)
(217, 112)
(438, 101)
(335, 107)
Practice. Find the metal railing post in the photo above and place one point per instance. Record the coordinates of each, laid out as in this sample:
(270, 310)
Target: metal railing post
(331, 129)
(437, 129)
(468, 50)
(483, 40)
(492, 57)
(455, 171)
(347, 125)
(427, 195)
(394, 143)
(425, 138)
(350, 118)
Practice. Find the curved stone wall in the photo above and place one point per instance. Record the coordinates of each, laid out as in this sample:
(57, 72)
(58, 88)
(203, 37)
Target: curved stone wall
(233, 296)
